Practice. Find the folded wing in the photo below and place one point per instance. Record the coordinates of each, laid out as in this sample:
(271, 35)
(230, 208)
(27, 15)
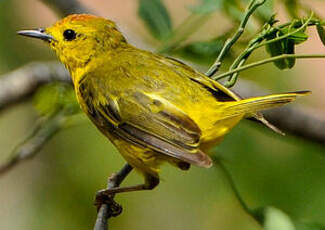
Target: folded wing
(147, 120)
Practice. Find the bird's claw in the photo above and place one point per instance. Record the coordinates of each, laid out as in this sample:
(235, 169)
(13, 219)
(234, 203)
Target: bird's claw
(104, 198)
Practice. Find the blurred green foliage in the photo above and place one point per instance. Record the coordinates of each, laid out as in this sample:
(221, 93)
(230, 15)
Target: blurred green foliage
(156, 18)
(201, 52)
(292, 7)
(321, 33)
(55, 97)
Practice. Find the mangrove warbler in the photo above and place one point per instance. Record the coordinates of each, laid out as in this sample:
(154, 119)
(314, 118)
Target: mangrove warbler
(152, 108)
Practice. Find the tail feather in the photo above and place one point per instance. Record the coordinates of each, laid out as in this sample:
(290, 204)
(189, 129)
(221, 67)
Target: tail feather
(255, 104)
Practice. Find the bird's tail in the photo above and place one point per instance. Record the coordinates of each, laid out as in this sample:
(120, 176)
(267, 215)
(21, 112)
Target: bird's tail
(253, 105)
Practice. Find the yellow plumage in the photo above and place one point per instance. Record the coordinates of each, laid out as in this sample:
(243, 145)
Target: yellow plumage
(152, 108)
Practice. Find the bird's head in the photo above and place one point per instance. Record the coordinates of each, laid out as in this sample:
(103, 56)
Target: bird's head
(79, 38)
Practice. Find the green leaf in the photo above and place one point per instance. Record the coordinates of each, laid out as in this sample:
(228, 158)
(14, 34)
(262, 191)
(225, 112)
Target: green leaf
(276, 219)
(272, 218)
(321, 33)
(276, 49)
(289, 48)
(156, 17)
(298, 37)
(285, 45)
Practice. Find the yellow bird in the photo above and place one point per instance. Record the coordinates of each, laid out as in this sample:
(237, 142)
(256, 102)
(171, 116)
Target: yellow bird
(152, 108)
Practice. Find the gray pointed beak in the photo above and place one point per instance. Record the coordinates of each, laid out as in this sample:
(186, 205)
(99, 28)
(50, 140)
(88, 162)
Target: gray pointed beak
(39, 33)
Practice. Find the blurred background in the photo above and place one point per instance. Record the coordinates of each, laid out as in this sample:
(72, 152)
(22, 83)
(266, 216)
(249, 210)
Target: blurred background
(55, 190)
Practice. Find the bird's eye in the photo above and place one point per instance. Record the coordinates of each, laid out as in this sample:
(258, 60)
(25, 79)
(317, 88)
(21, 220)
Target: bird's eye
(69, 35)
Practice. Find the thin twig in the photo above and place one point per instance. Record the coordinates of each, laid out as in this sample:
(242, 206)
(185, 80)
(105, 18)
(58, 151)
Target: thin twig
(302, 27)
(105, 211)
(34, 142)
(269, 60)
(233, 187)
(230, 42)
(231, 182)
(258, 42)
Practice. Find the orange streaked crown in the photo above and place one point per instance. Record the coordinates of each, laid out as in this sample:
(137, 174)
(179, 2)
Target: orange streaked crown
(78, 18)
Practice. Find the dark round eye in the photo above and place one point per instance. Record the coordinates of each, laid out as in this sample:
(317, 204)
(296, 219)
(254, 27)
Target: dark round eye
(69, 35)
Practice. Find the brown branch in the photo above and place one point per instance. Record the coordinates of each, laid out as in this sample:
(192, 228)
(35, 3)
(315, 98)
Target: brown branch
(23, 82)
(111, 208)
(33, 143)
(66, 7)
(302, 122)
(20, 84)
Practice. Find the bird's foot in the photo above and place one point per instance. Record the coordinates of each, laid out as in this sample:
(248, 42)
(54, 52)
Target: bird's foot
(104, 197)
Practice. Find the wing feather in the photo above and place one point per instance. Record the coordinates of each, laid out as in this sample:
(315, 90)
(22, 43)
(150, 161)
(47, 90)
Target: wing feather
(147, 120)
(222, 93)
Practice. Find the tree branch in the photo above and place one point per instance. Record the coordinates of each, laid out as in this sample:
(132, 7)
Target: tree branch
(219, 164)
(265, 61)
(305, 123)
(66, 7)
(35, 141)
(257, 42)
(106, 211)
(20, 84)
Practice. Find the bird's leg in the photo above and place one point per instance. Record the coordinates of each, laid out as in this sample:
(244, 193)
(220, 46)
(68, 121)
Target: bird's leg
(150, 183)
(106, 195)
